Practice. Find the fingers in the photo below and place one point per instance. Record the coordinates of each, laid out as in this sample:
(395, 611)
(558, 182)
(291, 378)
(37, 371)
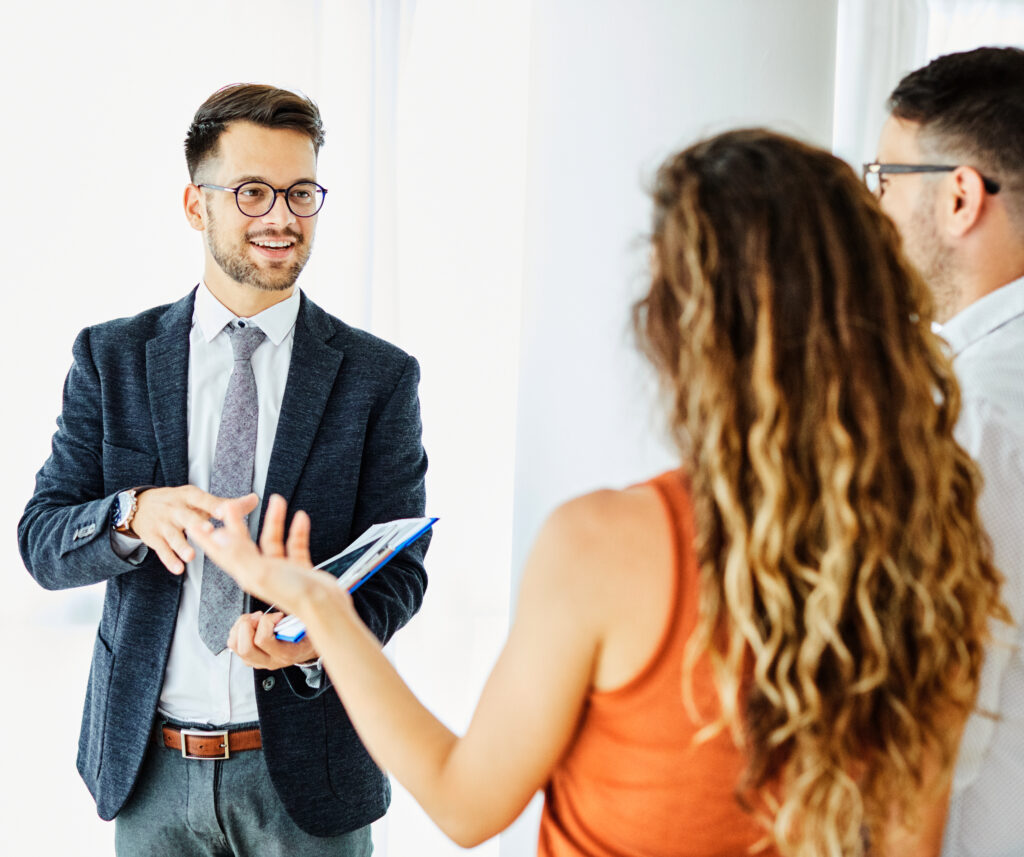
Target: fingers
(168, 557)
(272, 537)
(232, 513)
(208, 503)
(248, 503)
(252, 639)
(186, 518)
(161, 519)
(241, 638)
(264, 573)
(230, 547)
(264, 632)
(179, 544)
(234, 551)
(298, 539)
(278, 653)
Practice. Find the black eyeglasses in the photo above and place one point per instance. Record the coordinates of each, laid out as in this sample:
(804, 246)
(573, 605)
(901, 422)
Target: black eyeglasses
(873, 174)
(254, 199)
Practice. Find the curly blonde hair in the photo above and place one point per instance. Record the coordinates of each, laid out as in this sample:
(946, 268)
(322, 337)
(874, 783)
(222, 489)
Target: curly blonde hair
(846, 585)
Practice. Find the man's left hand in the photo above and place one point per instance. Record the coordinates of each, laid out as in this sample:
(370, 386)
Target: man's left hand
(252, 639)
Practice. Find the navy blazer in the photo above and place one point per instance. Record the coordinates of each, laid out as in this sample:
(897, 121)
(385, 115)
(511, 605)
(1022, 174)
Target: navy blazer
(347, 450)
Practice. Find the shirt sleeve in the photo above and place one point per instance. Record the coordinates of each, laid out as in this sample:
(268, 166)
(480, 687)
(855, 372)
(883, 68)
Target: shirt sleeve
(127, 548)
(314, 673)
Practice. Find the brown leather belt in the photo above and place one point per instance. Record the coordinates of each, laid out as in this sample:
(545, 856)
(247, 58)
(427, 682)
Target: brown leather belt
(207, 744)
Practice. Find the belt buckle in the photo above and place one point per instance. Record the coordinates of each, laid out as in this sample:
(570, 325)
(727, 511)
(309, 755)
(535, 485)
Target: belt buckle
(205, 733)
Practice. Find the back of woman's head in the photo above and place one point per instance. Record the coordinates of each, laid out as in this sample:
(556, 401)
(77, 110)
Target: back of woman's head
(845, 584)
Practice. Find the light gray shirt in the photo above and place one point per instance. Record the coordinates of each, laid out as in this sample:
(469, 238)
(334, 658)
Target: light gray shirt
(986, 814)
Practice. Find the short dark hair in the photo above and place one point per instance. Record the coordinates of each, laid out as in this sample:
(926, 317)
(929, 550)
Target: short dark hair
(970, 105)
(249, 102)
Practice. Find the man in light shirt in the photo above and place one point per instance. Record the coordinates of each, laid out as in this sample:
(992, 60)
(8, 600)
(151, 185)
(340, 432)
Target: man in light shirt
(202, 733)
(950, 172)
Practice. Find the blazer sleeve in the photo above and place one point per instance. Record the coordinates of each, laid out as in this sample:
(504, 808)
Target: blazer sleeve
(64, 533)
(391, 485)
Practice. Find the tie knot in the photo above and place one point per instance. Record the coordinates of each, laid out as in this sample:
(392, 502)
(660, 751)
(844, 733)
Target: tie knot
(245, 340)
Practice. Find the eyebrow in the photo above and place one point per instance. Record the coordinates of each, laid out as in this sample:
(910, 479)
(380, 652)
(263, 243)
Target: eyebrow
(250, 178)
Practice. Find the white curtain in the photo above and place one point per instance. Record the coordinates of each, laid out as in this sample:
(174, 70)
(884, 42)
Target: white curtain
(959, 25)
(452, 297)
(879, 41)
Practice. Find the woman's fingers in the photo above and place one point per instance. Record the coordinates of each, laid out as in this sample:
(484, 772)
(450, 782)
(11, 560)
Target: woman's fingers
(233, 513)
(276, 574)
(230, 546)
(272, 537)
(298, 539)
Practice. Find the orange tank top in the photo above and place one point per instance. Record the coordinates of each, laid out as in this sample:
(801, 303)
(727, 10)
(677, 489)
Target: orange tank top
(634, 782)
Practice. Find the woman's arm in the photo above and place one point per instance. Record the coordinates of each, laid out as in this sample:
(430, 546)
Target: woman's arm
(925, 838)
(921, 834)
(475, 785)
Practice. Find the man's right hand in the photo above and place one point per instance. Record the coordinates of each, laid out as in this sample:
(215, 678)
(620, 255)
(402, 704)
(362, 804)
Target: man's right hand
(163, 514)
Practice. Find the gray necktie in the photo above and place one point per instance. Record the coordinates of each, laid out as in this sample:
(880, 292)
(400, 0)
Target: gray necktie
(221, 600)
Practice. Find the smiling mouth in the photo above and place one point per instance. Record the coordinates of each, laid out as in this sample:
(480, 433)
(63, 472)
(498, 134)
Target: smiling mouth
(273, 245)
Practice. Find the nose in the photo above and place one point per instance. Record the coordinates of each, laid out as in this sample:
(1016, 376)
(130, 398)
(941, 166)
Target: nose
(280, 214)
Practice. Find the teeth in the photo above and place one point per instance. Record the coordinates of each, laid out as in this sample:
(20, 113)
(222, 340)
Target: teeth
(275, 245)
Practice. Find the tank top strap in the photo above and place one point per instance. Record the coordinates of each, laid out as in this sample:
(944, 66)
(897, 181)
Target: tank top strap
(674, 489)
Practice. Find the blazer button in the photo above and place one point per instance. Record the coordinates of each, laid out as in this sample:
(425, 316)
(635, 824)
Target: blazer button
(268, 683)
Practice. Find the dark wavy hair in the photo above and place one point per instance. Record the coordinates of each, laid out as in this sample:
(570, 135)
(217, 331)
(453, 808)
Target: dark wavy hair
(250, 102)
(845, 580)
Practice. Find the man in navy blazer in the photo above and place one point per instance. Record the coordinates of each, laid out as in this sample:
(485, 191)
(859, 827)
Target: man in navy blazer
(278, 767)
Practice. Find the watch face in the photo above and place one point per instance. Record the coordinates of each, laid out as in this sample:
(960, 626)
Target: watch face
(123, 509)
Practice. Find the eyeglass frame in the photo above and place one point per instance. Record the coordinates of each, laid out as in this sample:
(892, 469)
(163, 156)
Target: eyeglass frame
(276, 191)
(879, 169)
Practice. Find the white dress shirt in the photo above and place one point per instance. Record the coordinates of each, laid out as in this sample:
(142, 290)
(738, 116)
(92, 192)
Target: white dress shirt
(200, 687)
(986, 814)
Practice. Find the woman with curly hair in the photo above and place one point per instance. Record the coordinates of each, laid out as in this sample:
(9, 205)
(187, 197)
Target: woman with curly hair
(771, 650)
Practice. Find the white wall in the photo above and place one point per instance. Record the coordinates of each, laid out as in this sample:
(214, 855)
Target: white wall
(616, 88)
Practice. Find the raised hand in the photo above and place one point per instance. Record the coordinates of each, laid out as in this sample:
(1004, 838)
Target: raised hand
(280, 574)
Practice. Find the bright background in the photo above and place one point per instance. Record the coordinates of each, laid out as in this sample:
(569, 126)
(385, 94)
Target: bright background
(487, 164)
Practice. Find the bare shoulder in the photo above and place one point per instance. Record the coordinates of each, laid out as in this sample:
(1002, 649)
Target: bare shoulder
(595, 549)
(608, 521)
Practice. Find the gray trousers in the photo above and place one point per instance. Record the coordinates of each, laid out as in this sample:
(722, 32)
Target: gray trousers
(203, 808)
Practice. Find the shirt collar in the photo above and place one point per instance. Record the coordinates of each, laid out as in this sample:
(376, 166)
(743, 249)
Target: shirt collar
(984, 316)
(276, 321)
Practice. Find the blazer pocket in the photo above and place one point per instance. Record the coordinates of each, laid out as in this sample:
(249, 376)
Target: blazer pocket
(125, 468)
(97, 695)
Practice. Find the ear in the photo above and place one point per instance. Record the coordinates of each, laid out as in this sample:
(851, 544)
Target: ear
(195, 207)
(964, 206)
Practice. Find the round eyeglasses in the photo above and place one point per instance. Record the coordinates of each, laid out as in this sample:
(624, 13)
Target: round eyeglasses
(255, 198)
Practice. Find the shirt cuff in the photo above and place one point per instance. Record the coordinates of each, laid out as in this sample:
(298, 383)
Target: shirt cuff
(314, 673)
(128, 548)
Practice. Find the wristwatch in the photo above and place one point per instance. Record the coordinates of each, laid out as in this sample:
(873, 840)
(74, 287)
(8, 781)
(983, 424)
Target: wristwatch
(124, 511)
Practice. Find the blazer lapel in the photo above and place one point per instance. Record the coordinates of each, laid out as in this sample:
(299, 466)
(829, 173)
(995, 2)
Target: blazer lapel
(167, 378)
(311, 375)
